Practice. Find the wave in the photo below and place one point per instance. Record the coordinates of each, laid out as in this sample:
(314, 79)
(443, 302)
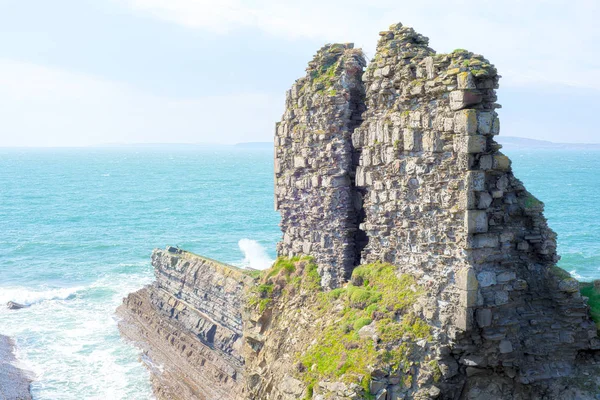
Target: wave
(28, 297)
(255, 255)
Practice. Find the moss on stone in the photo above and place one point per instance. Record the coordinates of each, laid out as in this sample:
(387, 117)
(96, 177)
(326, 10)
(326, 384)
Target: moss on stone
(296, 272)
(379, 297)
(531, 202)
(588, 290)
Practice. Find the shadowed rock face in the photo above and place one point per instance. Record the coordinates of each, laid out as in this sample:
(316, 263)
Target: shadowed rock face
(14, 382)
(189, 325)
(397, 164)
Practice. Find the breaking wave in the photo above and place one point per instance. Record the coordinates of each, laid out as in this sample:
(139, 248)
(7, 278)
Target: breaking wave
(255, 255)
(28, 297)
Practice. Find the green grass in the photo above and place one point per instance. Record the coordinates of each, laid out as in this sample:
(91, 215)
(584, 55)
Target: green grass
(377, 295)
(286, 273)
(587, 290)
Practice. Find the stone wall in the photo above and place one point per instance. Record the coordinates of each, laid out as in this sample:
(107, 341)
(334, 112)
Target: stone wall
(442, 203)
(436, 198)
(314, 162)
(189, 321)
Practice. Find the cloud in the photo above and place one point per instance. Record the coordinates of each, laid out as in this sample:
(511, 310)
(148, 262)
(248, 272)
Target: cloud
(44, 106)
(541, 42)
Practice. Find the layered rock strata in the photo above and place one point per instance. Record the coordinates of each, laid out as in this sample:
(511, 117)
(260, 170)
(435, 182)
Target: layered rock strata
(189, 325)
(314, 170)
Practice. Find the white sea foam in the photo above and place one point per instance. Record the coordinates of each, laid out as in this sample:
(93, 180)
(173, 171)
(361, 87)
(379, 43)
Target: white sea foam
(28, 296)
(255, 255)
(575, 275)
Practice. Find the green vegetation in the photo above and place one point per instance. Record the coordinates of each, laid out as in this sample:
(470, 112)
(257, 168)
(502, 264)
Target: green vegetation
(286, 274)
(376, 297)
(560, 273)
(480, 72)
(324, 77)
(531, 202)
(588, 290)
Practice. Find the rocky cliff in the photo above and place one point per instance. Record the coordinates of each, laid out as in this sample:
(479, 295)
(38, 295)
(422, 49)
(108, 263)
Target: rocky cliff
(189, 325)
(413, 263)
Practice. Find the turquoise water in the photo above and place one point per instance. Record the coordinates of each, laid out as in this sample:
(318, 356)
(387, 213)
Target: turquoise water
(77, 227)
(568, 182)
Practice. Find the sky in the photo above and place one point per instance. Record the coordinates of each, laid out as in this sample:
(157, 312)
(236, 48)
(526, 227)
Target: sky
(89, 72)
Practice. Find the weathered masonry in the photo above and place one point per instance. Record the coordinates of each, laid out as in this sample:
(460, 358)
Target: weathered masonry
(417, 180)
(314, 168)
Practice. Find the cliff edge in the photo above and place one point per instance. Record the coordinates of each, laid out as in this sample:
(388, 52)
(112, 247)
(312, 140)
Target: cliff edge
(413, 263)
(189, 325)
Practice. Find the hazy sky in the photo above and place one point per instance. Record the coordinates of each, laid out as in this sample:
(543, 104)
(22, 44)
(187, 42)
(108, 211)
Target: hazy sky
(82, 72)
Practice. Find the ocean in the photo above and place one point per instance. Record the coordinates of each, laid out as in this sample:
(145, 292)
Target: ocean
(77, 227)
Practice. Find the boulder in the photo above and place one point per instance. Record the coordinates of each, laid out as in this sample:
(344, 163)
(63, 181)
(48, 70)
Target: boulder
(14, 306)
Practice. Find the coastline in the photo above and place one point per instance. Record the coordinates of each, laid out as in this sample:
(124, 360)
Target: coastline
(15, 383)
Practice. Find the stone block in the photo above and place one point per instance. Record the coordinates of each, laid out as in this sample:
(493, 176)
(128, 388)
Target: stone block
(485, 240)
(483, 316)
(466, 81)
(432, 142)
(467, 200)
(486, 278)
(429, 67)
(472, 144)
(460, 99)
(414, 119)
(501, 297)
(465, 122)
(505, 277)
(468, 298)
(486, 162)
(467, 283)
(505, 346)
(463, 318)
(476, 181)
(485, 120)
(300, 162)
(485, 200)
(476, 221)
(466, 279)
(306, 247)
(496, 126)
(412, 140)
(501, 162)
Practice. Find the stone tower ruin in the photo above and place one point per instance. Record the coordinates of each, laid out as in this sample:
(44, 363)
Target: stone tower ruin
(399, 164)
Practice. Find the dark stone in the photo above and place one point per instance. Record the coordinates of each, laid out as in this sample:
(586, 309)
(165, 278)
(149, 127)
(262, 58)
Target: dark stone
(14, 306)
